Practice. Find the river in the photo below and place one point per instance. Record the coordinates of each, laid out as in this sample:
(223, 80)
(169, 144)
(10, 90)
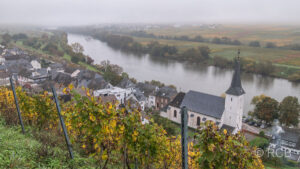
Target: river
(207, 79)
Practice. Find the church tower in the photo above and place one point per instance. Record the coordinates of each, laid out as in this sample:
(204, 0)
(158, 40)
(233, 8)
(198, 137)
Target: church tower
(234, 101)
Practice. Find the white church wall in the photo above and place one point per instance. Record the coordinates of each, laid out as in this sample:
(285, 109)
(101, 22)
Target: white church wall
(233, 113)
(192, 117)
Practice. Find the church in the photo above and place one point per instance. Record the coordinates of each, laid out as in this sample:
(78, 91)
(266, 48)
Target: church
(226, 112)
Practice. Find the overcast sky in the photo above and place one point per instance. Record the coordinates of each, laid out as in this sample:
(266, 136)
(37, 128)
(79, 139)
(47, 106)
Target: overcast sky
(78, 12)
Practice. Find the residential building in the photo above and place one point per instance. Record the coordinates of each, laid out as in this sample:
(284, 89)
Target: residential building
(287, 142)
(119, 93)
(164, 96)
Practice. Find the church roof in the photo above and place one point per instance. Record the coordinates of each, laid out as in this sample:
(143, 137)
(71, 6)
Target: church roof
(236, 85)
(176, 102)
(230, 129)
(203, 103)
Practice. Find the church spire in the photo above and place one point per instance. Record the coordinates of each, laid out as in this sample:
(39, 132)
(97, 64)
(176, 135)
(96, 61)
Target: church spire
(236, 85)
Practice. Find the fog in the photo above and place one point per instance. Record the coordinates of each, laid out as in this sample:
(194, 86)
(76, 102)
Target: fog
(83, 12)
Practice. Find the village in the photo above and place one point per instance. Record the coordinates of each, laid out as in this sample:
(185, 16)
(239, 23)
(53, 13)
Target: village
(36, 75)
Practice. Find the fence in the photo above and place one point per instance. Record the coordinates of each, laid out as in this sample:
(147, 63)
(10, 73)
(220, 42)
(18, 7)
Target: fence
(184, 127)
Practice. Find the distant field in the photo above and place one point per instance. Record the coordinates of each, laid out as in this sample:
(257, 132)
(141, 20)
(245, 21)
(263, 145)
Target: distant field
(281, 35)
(281, 57)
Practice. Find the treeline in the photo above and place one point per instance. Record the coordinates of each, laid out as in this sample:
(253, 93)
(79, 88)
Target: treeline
(274, 45)
(156, 49)
(247, 65)
(199, 38)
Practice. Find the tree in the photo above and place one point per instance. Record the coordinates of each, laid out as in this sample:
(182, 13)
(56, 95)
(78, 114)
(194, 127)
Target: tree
(260, 142)
(205, 51)
(236, 42)
(271, 45)
(105, 64)
(216, 40)
(19, 36)
(289, 111)
(266, 108)
(77, 47)
(75, 59)
(6, 38)
(254, 44)
(89, 60)
(199, 39)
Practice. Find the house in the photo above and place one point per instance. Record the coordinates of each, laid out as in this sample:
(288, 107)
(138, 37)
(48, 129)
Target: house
(108, 99)
(149, 91)
(119, 93)
(35, 64)
(225, 112)
(75, 73)
(98, 82)
(39, 75)
(288, 142)
(13, 54)
(163, 96)
(174, 106)
(138, 98)
(2, 60)
(126, 83)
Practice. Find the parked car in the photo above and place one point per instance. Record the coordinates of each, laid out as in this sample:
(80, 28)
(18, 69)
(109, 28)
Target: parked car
(251, 123)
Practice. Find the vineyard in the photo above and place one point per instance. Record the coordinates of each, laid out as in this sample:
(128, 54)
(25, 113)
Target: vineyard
(116, 138)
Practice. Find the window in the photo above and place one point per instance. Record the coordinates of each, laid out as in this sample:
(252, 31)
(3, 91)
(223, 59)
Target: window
(175, 113)
(231, 99)
(192, 115)
(204, 119)
(198, 121)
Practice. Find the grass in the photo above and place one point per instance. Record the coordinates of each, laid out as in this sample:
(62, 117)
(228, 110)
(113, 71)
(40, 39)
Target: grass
(271, 166)
(24, 151)
(89, 67)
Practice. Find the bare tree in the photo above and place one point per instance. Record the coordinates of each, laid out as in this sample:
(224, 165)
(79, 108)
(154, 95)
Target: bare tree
(105, 64)
(77, 47)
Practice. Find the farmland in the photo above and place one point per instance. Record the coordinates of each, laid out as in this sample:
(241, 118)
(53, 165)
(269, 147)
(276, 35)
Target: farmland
(279, 35)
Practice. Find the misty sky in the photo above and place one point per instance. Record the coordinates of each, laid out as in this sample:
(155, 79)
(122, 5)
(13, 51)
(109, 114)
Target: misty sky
(77, 12)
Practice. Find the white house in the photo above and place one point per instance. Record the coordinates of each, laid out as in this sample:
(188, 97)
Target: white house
(225, 112)
(151, 101)
(2, 60)
(35, 64)
(119, 93)
(287, 142)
